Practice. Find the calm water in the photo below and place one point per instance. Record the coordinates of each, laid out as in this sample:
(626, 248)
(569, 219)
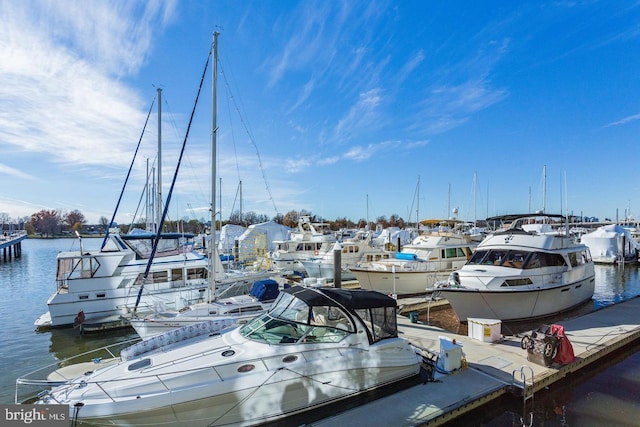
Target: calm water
(608, 396)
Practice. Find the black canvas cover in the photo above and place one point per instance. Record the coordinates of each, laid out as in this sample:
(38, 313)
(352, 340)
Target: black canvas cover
(351, 299)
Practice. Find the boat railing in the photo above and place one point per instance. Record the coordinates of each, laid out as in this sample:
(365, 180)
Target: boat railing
(128, 387)
(41, 378)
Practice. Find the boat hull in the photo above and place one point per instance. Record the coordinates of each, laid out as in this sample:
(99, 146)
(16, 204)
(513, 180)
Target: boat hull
(400, 283)
(515, 304)
(323, 270)
(64, 308)
(279, 386)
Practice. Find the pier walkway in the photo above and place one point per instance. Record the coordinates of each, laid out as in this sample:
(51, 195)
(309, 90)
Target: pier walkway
(493, 369)
(11, 241)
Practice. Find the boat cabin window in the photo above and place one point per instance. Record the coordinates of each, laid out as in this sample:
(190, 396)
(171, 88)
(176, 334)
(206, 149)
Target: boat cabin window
(381, 322)
(196, 273)
(515, 259)
(543, 259)
(154, 277)
(490, 257)
(573, 259)
(519, 259)
(176, 274)
(77, 268)
(453, 253)
(478, 257)
(291, 320)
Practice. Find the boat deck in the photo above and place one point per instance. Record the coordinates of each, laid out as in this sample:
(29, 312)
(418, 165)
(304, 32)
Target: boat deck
(493, 369)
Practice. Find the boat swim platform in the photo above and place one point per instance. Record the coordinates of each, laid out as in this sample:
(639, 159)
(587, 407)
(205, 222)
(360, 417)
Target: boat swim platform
(493, 369)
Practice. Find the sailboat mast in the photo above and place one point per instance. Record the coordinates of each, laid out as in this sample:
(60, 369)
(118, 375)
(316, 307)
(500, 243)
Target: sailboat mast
(148, 198)
(159, 196)
(214, 131)
(475, 191)
(418, 205)
(544, 191)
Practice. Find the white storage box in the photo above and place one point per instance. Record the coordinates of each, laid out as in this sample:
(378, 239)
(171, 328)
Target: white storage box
(450, 357)
(487, 330)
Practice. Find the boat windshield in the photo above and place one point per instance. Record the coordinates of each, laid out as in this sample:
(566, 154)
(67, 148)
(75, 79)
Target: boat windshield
(167, 245)
(291, 320)
(520, 259)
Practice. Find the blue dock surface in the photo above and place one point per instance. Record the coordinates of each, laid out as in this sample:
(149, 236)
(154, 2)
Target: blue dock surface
(492, 369)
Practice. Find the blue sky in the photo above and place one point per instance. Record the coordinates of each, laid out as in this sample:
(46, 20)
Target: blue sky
(335, 107)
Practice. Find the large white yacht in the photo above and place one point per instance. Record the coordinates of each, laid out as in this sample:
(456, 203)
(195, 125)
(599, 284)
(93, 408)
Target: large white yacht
(528, 270)
(313, 347)
(100, 283)
(431, 257)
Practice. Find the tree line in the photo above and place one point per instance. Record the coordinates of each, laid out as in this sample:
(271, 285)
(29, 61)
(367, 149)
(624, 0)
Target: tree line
(52, 222)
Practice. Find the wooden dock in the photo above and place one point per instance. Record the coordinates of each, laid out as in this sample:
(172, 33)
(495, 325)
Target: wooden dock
(11, 244)
(491, 369)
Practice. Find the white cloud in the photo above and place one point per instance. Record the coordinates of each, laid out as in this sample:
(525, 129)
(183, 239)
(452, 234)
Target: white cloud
(7, 170)
(624, 121)
(362, 115)
(61, 70)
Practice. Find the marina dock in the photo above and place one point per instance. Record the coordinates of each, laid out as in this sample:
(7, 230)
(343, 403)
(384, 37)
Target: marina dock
(11, 241)
(492, 369)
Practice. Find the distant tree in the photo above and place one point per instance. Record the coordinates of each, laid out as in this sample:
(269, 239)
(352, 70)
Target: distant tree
(383, 221)
(235, 218)
(46, 222)
(103, 222)
(255, 218)
(341, 223)
(247, 218)
(362, 223)
(290, 219)
(194, 226)
(75, 220)
(278, 219)
(4, 219)
(396, 220)
(30, 229)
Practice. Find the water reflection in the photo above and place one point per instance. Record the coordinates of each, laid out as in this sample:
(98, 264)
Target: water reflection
(615, 284)
(68, 342)
(606, 394)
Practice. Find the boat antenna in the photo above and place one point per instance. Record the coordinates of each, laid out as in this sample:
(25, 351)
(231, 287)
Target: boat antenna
(106, 234)
(156, 240)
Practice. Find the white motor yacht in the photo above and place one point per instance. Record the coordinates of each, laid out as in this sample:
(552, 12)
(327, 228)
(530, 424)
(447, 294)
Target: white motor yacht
(529, 270)
(101, 283)
(313, 347)
(430, 258)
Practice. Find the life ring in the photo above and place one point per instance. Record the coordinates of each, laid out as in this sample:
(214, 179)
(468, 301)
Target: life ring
(315, 253)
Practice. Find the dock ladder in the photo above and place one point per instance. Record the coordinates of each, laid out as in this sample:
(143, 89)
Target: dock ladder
(523, 379)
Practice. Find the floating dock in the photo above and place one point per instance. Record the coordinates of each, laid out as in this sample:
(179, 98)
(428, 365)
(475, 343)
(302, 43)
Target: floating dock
(492, 369)
(11, 241)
